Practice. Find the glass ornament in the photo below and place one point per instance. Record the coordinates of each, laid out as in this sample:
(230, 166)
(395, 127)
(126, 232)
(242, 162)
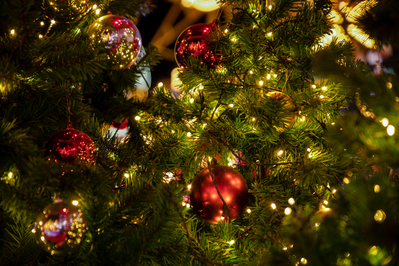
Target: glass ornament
(122, 39)
(65, 10)
(194, 41)
(206, 201)
(70, 145)
(60, 228)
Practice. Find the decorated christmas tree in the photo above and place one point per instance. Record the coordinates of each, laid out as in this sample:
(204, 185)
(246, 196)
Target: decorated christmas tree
(254, 162)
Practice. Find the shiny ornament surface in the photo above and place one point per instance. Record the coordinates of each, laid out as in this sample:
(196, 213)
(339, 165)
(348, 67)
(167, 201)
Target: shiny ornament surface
(143, 84)
(69, 146)
(121, 37)
(194, 41)
(206, 201)
(65, 10)
(288, 107)
(60, 228)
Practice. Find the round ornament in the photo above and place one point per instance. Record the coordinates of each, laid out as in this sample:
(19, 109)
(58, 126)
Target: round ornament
(205, 198)
(287, 105)
(60, 228)
(65, 10)
(70, 145)
(194, 41)
(119, 130)
(122, 39)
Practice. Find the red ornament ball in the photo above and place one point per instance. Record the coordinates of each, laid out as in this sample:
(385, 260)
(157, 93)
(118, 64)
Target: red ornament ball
(194, 41)
(121, 37)
(60, 228)
(206, 201)
(70, 145)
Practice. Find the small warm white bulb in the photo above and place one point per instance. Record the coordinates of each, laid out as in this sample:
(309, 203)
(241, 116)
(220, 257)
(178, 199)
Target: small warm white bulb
(191, 100)
(226, 30)
(12, 31)
(304, 261)
(273, 206)
(94, 6)
(385, 122)
(261, 82)
(10, 174)
(160, 84)
(326, 202)
(188, 134)
(75, 202)
(280, 152)
(232, 242)
(287, 211)
(231, 105)
(137, 118)
(391, 130)
(248, 210)
(189, 187)
(98, 11)
(126, 175)
(291, 201)
(324, 88)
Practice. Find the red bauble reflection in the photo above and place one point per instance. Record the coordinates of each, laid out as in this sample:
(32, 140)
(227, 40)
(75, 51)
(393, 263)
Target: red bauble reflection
(205, 199)
(193, 41)
(70, 145)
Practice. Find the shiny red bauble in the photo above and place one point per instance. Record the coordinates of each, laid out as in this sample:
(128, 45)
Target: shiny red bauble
(206, 201)
(194, 41)
(69, 146)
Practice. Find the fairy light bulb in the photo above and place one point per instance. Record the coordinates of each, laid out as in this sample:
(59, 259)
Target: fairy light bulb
(189, 187)
(94, 6)
(188, 134)
(287, 211)
(10, 174)
(12, 32)
(324, 88)
(232, 242)
(160, 84)
(75, 202)
(346, 180)
(126, 175)
(291, 201)
(261, 82)
(268, 76)
(379, 216)
(273, 206)
(270, 34)
(191, 100)
(321, 96)
(389, 85)
(137, 118)
(385, 122)
(226, 31)
(325, 202)
(248, 210)
(391, 130)
(314, 86)
(41, 23)
(304, 261)
(231, 105)
(280, 152)
(376, 188)
(98, 11)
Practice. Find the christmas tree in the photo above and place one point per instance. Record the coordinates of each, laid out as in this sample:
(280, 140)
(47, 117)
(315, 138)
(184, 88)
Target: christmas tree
(254, 162)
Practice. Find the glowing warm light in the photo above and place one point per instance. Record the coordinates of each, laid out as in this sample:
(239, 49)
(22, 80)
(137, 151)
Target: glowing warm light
(389, 85)
(285, 248)
(376, 188)
(12, 32)
(334, 190)
(126, 175)
(232, 242)
(326, 202)
(332, 123)
(304, 261)
(226, 30)
(280, 152)
(270, 7)
(270, 34)
(189, 187)
(385, 122)
(98, 11)
(314, 86)
(261, 82)
(324, 88)
(273, 206)
(10, 174)
(379, 216)
(160, 84)
(248, 210)
(41, 23)
(317, 224)
(222, 218)
(191, 100)
(94, 6)
(291, 201)
(287, 211)
(321, 96)
(42, 238)
(137, 118)
(75, 202)
(231, 105)
(234, 39)
(308, 149)
(40, 36)
(188, 134)
(373, 250)
(52, 21)
(251, 72)
(346, 180)
(268, 76)
(253, 119)
(390, 130)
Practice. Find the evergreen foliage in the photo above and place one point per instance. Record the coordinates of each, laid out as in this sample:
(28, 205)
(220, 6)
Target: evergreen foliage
(223, 115)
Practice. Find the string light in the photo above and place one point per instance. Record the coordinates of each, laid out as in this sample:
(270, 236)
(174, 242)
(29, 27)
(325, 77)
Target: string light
(334, 190)
(379, 216)
(385, 122)
(304, 261)
(270, 34)
(291, 201)
(346, 180)
(33, 230)
(317, 224)
(160, 84)
(12, 32)
(314, 86)
(41, 23)
(376, 188)
(188, 134)
(285, 248)
(10, 174)
(270, 7)
(75, 202)
(126, 175)
(251, 72)
(390, 130)
(226, 30)
(321, 96)
(52, 21)
(94, 6)
(253, 119)
(325, 202)
(248, 210)
(324, 88)
(308, 149)
(280, 152)
(191, 100)
(98, 11)
(232, 242)
(273, 206)
(189, 187)
(137, 118)
(231, 105)
(389, 85)
(268, 76)
(40, 36)
(261, 82)
(287, 211)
